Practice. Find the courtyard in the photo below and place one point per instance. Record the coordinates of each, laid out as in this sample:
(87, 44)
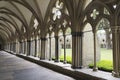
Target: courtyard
(105, 63)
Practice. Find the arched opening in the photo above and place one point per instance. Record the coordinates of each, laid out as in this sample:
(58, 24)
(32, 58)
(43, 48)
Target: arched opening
(88, 46)
(37, 46)
(104, 36)
(22, 46)
(52, 47)
(65, 46)
(68, 46)
(47, 47)
(61, 45)
(32, 47)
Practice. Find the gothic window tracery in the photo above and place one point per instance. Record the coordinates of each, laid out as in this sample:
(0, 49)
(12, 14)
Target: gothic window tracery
(106, 12)
(35, 23)
(56, 11)
(94, 14)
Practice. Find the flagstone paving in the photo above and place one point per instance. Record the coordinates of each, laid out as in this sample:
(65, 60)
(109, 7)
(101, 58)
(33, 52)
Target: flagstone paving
(15, 68)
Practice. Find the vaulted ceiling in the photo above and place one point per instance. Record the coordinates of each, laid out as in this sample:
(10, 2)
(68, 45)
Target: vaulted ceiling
(17, 17)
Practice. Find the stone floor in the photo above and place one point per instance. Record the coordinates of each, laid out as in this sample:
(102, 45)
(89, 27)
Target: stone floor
(15, 68)
(85, 72)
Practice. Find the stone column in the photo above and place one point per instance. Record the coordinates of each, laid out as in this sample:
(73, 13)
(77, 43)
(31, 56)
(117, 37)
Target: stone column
(116, 52)
(56, 49)
(64, 49)
(31, 52)
(94, 36)
(31, 49)
(35, 48)
(11, 47)
(17, 47)
(28, 47)
(22, 47)
(43, 48)
(5, 47)
(25, 46)
(8, 46)
(39, 47)
(76, 50)
(14, 47)
(50, 58)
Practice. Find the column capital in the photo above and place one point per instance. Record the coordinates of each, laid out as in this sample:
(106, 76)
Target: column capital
(49, 37)
(115, 28)
(28, 40)
(64, 35)
(75, 34)
(115, 74)
(56, 36)
(43, 39)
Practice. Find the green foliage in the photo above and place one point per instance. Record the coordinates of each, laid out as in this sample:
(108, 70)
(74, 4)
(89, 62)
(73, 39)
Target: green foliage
(68, 59)
(106, 54)
(68, 55)
(104, 65)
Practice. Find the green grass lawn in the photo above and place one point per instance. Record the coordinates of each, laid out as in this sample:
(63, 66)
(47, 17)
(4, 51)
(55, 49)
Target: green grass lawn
(105, 65)
(105, 62)
(68, 55)
(106, 54)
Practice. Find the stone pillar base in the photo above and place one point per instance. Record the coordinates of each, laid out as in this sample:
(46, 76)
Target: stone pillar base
(57, 60)
(50, 59)
(95, 69)
(65, 62)
(74, 67)
(116, 74)
(42, 58)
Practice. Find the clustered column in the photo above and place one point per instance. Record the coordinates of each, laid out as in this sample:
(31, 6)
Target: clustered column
(116, 51)
(64, 49)
(56, 49)
(94, 36)
(35, 48)
(77, 49)
(43, 43)
(28, 47)
(39, 40)
(50, 58)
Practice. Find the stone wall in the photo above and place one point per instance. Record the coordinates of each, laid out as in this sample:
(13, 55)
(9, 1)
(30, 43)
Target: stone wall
(88, 46)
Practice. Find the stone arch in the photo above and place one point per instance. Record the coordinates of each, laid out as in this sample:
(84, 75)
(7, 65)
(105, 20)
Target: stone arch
(28, 6)
(98, 6)
(117, 14)
(13, 14)
(53, 45)
(95, 4)
(88, 55)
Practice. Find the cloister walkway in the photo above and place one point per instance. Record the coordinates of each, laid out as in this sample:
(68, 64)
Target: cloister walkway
(15, 68)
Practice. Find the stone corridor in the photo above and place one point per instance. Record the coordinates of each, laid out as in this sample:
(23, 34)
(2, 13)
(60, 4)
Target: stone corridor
(15, 68)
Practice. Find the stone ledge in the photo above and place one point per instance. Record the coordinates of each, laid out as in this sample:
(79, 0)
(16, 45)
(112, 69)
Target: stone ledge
(79, 74)
(69, 72)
